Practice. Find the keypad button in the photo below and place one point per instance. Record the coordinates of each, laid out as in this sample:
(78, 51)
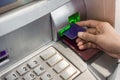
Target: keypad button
(12, 76)
(70, 71)
(55, 59)
(48, 53)
(48, 75)
(61, 66)
(33, 63)
(39, 70)
(29, 76)
(23, 69)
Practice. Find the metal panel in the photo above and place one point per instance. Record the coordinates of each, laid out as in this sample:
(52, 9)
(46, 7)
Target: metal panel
(27, 14)
(60, 15)
(27, 39)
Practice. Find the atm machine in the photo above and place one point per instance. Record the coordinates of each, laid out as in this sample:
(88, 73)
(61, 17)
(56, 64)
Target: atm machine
(31, 47)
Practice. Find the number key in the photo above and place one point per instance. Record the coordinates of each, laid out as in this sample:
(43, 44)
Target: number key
(29, 76)
(33, 63)
(23, 69)
(12, 76)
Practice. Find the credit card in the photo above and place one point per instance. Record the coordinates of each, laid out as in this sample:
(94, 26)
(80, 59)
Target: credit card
(73, 31)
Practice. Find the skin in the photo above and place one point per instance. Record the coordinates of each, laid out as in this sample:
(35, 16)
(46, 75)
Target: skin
(99, 35)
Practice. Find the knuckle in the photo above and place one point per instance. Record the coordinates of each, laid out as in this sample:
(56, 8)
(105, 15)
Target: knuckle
(104, 24)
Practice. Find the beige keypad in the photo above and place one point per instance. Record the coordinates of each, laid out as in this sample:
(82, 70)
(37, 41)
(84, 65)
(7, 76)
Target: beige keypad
(47, 65)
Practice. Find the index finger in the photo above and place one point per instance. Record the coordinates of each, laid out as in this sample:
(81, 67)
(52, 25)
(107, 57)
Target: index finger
(89, 23)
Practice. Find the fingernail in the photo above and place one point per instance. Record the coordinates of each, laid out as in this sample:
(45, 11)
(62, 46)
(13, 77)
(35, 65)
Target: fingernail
(80, 43)
(81, 47)
(80, 34)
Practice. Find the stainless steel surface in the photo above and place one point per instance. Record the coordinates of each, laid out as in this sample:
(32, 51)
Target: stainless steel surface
(27, 39)
(116, 74)
(60, 15)
(23, 33)
(103, 67)
(87, 75)
(19, 17)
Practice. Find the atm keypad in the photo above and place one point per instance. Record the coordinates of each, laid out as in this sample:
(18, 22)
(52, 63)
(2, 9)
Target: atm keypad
(48, 65)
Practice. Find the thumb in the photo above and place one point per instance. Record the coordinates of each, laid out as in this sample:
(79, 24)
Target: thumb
(87, 36)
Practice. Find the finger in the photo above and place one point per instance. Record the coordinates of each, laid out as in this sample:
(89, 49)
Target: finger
(80, 43)
(87, 46)
(89, 23)
(87, 37)
(78, 40)
(92, 30)
(81, 47)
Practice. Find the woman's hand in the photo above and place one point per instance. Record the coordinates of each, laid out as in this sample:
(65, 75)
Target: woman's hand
(99, 35)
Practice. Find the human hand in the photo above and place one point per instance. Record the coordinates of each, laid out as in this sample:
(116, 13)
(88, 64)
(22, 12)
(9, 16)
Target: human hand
(99, 35)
